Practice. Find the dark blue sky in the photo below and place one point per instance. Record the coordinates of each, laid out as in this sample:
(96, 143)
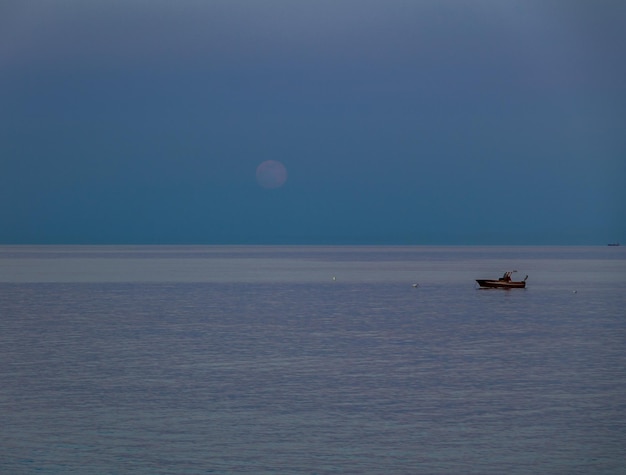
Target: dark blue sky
(409, 122)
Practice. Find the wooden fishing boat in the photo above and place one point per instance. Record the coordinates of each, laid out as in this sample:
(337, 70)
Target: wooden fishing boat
(504, 282)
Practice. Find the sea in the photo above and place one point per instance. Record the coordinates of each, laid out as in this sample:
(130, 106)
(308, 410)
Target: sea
(311, 360)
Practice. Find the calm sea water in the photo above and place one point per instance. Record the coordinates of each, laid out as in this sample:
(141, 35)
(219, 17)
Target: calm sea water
(311, 360)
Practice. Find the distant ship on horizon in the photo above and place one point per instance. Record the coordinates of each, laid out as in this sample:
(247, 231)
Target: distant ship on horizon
(613, 244)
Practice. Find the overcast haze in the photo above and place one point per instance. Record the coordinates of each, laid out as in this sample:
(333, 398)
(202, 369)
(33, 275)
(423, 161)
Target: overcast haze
(408, 122)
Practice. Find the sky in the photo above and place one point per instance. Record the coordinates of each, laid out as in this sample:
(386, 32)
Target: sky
(397, 122)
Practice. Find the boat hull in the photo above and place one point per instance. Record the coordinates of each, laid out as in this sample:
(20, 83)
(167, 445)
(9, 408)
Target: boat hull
(501, 284)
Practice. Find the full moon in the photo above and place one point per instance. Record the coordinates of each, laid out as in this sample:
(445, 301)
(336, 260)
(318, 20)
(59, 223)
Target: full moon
(271, 174)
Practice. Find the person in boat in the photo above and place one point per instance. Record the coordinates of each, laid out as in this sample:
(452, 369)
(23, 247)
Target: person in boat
(506, 277)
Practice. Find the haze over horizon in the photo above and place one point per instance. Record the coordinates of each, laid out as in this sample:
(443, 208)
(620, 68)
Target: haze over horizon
(397, 122)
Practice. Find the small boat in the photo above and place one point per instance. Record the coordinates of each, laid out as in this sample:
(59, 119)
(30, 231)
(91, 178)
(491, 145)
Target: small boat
(614, 244)
(504, 282)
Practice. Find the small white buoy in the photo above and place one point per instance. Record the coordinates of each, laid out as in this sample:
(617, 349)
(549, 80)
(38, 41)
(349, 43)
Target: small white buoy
(416, 286)
(334, 278)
